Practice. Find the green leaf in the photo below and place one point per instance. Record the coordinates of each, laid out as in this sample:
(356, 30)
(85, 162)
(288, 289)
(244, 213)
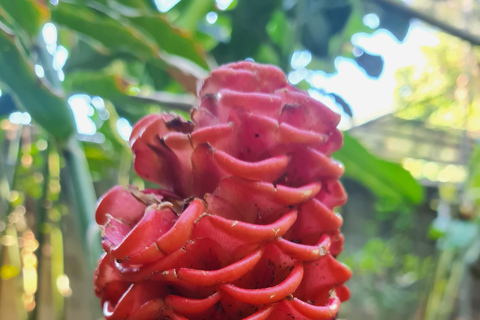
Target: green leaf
(84, 56)
(170, 39)
(118, 35)
(158, 77)
(138, 4)
(249, 32)
(112, 87)
(281, 31)
(387, 180)
(194, 11)
(111, 33)
(116, 89)
(30, 15)
(46, 107)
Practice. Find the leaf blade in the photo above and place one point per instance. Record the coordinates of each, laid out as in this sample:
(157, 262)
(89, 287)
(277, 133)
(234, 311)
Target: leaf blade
(46, 107)
(385, 179)
(29, 15)
(172, 40)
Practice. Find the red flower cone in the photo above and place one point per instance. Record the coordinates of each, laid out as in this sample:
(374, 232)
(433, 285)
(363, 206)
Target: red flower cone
(242, 226)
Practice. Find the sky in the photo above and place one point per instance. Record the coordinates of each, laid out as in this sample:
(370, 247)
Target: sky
(368, 98)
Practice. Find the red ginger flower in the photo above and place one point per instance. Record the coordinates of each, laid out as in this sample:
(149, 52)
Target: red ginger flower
(243, 226)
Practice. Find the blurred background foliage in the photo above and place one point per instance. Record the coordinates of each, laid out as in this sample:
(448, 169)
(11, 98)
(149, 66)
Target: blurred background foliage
(76, 74)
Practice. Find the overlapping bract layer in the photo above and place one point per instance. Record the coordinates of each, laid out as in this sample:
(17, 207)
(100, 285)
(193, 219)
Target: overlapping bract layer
(243, 226)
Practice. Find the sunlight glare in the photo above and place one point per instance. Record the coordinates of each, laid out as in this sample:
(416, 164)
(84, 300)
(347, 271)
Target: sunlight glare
(124, 128)
(301, 59)
(49, 34)
(329, 101)
(18, 117)
(371, 20)
(60, 58)
(61, 75)
(370, 98)
(99, 104)
(82, 110)
(39, 71)
(223, 4)
(165, 5)
(212, 17)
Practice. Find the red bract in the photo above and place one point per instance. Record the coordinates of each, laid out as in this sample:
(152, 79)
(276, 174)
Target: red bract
(243, 226)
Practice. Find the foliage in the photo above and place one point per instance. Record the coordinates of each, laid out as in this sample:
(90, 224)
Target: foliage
(389, 181)
(442, 93)
(438, 92)
(47, 107)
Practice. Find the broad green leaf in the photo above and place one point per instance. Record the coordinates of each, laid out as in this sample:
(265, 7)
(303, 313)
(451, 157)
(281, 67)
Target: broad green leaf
(249, 20)
(137, 4)
(46, 107)
(170, 39)
(267, 54)
(118, 35)
(385, 179)
(117, 90)
(110, 32)
(83, 56)
(30, 15)
(158, 77)
(108, 86)
(193, 12)
(281, 31)
(99, 160)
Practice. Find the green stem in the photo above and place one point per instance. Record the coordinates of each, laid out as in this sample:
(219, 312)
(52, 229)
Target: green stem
(81, 183)
(9, 168)
(4, 187)
(13, 155)
(58, 263)
(81, 186)
(125, 167)
(15, 260)
(41, 215)
(451, 288)
(445, 260)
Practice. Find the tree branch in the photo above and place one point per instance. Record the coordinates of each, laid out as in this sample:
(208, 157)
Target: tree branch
(412, 13)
